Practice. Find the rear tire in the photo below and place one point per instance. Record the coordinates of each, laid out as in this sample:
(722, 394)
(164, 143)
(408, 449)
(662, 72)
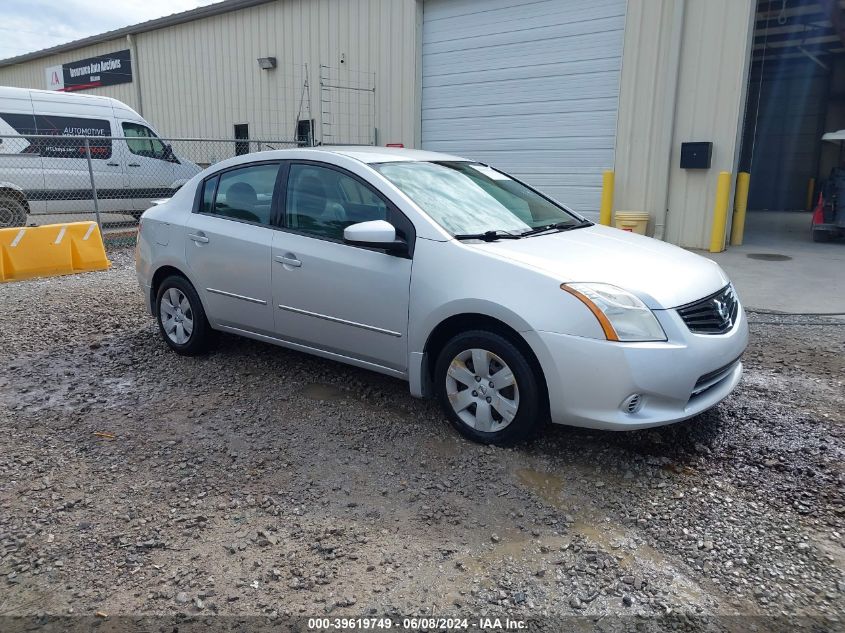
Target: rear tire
(12, 212)
(181, 317)
(488, 389)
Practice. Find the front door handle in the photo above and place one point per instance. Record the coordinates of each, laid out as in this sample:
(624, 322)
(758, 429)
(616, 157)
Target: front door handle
(134, 164)
(202, 239)
(288, 260)
(113, 164)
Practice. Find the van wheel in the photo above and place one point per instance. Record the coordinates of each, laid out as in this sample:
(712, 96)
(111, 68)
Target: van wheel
(12, 212)
(488, 389)
(181, 317)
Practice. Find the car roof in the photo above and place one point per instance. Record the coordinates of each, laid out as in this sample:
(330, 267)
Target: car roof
(373, 154)
(366, 154)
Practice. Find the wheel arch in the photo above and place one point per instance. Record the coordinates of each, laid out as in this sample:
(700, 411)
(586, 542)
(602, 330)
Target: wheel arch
(163, 272)
(14, 191)
(467, 321)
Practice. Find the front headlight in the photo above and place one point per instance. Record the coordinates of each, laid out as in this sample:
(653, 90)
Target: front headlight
(622, 316)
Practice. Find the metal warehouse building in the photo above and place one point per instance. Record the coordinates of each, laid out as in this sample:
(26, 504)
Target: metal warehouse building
(553, 91)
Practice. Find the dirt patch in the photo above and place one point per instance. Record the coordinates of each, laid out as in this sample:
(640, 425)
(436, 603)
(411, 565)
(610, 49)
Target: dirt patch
(266, 482)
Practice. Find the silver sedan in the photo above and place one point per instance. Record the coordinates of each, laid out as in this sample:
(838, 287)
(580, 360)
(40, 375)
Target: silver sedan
(478, 290)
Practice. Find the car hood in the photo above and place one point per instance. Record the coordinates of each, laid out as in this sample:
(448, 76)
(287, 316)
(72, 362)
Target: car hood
(662, 275)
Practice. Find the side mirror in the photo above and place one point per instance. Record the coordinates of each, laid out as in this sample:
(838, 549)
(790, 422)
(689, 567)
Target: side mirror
(375, 234)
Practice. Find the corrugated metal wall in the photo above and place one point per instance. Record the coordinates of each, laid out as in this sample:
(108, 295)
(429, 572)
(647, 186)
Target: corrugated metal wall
(684, 78)
(201, 78)
(32, 74)
(647, 108)
(710, 102)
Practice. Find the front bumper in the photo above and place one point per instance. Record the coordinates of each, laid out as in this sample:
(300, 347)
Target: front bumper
(588, 379)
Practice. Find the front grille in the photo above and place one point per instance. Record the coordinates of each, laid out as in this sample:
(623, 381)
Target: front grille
(715, 314)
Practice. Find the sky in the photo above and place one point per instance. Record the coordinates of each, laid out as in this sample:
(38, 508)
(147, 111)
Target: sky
(30, 25)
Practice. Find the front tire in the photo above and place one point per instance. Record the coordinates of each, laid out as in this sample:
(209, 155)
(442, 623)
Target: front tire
(181, 317)
(488, 389)
(12, 212)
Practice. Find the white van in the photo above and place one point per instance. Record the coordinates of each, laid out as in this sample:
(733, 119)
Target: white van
(46, 176)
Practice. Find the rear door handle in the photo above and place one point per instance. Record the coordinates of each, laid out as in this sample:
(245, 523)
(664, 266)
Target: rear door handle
(202, 239)
(288, 260)
(113, 164)
(134, 164)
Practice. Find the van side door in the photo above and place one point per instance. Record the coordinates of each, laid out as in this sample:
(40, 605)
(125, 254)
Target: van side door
(67, 179)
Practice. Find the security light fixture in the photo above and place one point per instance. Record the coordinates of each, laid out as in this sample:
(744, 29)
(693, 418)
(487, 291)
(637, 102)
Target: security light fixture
(266, 63)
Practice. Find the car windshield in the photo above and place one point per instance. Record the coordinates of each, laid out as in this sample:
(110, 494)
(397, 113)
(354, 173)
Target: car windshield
(468, 198)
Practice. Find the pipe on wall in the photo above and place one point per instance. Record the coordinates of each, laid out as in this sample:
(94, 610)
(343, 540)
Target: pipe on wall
(136, 73)
(675, 55)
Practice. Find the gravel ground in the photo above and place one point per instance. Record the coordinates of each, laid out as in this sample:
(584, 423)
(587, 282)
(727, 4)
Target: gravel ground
(259, 481)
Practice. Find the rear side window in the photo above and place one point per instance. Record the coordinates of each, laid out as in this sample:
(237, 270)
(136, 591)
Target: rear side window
(58, 127)
(209, 189)
(242, 194)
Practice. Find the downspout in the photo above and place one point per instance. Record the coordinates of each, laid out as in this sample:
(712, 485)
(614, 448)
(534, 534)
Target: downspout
(136, 73)
(675, 54)
(419, 9)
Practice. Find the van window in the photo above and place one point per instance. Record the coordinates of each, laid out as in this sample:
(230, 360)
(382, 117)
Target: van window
(143, 141)
(60, 126)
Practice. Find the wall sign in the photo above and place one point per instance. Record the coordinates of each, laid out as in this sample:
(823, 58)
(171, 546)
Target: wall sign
(103, 70)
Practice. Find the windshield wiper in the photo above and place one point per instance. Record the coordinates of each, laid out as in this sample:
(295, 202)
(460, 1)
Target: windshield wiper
(490, 236)
(559, 226)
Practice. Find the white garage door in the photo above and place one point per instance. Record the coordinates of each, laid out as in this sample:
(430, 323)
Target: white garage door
(529, 86)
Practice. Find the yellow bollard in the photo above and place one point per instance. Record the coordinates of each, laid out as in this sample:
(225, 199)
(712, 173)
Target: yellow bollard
(811, 189)
(606, 209)
(720, 212)
(743, 181)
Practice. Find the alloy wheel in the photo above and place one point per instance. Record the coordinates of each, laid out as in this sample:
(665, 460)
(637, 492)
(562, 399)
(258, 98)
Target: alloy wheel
(177, 316)
(482, 390)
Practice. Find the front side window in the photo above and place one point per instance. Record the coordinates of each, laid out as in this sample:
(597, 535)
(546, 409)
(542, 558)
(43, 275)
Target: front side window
(323, 201)
(143, 141)
(242, 194)
(470, 198)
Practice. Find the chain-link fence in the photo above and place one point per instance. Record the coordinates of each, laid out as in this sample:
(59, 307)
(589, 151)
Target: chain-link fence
(111, 180)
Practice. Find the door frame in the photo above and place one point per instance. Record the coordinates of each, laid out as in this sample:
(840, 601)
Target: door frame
(278, 208)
